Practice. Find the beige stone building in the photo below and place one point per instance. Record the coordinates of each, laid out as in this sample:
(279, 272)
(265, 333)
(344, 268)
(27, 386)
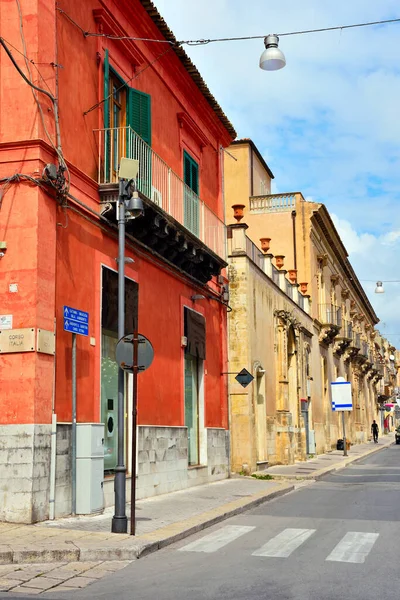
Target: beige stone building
(303, 246)
(271, 335)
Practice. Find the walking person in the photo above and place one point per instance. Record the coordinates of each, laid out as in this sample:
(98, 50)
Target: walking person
(375, 430)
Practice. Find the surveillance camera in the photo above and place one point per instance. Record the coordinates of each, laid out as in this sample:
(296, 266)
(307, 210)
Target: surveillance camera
(2, 254)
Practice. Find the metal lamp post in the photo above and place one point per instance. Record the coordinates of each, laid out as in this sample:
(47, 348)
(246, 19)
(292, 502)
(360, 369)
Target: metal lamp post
(129, 207)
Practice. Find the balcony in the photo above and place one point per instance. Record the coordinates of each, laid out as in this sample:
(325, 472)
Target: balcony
(177, 224)
(273, 203)
(330, 317)
(344, 338)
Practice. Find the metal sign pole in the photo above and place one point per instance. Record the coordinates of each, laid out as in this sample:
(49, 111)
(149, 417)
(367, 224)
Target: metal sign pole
(134, 433)
(344, 435)
(74, 423)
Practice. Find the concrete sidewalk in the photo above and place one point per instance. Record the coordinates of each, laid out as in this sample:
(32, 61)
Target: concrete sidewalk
(161, 521)
(322, 464)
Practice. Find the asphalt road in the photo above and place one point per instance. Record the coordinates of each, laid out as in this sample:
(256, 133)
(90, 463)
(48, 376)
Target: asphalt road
(337, 538)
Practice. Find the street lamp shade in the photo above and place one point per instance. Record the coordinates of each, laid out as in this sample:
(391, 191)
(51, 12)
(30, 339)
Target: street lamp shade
(134, 206)
(379, 288)
(272, 59)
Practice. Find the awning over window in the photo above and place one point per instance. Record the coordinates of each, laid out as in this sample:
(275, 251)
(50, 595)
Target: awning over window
(195, 332)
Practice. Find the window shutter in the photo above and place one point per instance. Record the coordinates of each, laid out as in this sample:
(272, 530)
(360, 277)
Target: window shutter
(106, 90)
(140, 114)
(107, 134)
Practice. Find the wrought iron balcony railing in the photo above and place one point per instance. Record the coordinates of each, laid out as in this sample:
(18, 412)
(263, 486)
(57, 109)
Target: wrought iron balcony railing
(159, 184)
(329, 314)
(347, 329)
(356, 340)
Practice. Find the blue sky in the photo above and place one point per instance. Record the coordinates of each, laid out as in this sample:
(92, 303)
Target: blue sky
(328, 124)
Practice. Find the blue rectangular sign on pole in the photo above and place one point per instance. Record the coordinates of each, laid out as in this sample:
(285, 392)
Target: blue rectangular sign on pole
(76, 321)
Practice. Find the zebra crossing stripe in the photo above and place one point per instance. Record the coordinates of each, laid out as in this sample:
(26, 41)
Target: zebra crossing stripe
(216, 540)
(354, 547)
(282, 545)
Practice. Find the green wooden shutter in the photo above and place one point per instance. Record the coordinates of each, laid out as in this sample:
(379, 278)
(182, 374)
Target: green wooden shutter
(139, 118)
(106, 114)
(106, 90)
(139, 114)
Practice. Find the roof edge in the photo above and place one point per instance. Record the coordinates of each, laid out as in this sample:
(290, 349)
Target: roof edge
(257, 152)
(192, 70)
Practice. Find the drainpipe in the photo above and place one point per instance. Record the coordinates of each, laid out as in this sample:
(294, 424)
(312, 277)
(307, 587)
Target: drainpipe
(222, 158)
(294, 239)
(251, 174)
(53, 444)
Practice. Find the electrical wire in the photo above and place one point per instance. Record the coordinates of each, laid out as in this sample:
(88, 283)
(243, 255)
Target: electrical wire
(6, 182)
(204, 41)
(32, 62)
(28, 80)
(129, 81)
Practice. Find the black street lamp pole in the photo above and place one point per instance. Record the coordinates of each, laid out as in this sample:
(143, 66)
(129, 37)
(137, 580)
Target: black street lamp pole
(119, 520)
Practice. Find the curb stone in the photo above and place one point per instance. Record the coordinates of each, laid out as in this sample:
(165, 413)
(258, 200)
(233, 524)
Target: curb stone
(131, 549)
(319, 473)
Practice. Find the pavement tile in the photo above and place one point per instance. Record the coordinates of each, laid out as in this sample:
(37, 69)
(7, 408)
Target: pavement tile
(66, 572)
(6, 584)
(115, 565)
(41, 583)
(4, 569)
(26, 590)
(80, 582)
(60, 588)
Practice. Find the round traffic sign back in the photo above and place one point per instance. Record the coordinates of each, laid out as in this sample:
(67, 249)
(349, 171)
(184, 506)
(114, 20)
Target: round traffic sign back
(124, 353)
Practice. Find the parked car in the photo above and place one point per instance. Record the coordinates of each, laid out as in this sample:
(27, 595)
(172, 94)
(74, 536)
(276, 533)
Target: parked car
(397, 435)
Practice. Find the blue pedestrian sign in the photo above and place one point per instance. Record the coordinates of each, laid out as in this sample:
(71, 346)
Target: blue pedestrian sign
(76, 321)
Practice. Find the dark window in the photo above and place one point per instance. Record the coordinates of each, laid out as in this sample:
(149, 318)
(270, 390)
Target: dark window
(195, 332)
(191, 202)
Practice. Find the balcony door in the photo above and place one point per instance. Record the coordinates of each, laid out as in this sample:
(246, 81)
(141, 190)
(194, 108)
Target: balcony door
(127, 128)
(191, 191)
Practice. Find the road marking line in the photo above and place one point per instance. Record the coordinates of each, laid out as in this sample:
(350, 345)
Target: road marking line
(282, 545)
(354, 547)
(216, 540)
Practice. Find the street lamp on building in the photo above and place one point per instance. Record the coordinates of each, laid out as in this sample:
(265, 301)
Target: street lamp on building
(129, 206)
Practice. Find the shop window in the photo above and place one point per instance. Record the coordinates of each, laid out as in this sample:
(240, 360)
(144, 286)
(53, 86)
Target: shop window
(109, 367)
(195, 353)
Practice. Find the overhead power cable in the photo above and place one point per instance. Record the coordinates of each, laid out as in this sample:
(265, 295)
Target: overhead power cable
(204, 41)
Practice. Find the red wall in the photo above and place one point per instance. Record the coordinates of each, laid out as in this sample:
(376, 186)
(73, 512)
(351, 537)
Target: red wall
(171, 89)
(56, 255)
(82, 249)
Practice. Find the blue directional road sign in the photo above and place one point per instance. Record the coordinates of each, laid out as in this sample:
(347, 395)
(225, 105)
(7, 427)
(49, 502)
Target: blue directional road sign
(76, 321)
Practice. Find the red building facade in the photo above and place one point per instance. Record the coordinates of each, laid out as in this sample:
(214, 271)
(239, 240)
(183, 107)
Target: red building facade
(107, 98)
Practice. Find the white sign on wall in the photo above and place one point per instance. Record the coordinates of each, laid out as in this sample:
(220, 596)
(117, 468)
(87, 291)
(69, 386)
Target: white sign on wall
(341, 395)
(6, 321)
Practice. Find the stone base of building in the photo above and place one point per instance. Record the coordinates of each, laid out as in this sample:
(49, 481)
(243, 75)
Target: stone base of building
(24, 473)
(25, 454)
(162, 464)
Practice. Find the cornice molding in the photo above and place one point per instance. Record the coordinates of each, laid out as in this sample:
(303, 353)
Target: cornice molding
(109, 25)
(186, 122)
